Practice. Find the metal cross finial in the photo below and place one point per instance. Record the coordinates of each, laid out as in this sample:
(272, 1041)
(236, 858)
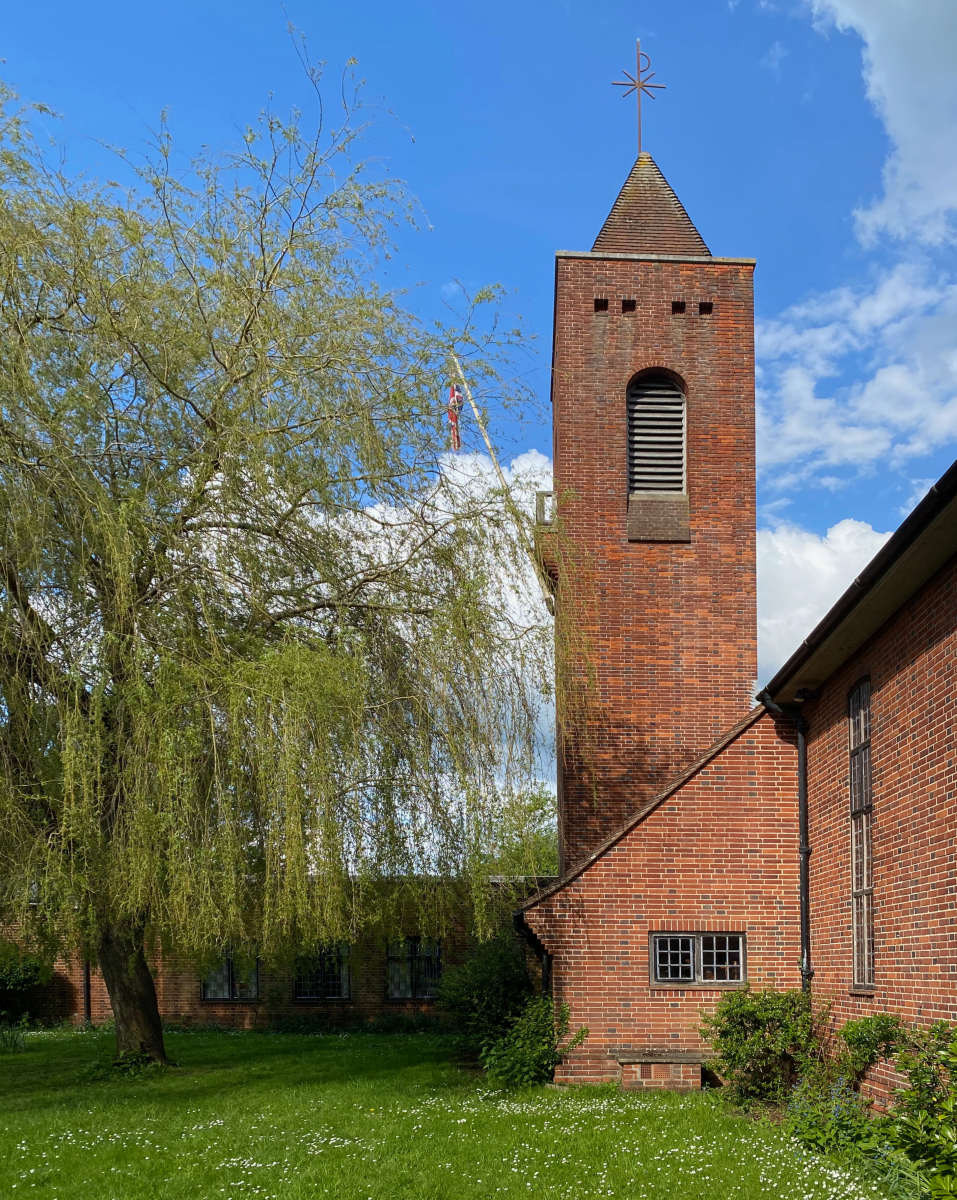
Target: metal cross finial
(640, 82)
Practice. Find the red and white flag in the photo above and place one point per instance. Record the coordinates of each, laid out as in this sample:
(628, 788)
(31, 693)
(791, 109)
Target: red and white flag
(456, 401)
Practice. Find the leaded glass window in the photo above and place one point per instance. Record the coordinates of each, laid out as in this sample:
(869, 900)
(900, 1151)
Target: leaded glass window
(862, 816)
(229, 981)
(414, 967)
(325, 975)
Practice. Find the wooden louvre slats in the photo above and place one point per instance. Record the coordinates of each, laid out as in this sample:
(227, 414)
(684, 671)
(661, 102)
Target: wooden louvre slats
(656, 437)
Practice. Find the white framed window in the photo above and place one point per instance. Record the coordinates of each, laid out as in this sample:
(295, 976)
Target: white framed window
(862, 820)
(326, 975)
(227, 981)
(698, 958)
(656, 436)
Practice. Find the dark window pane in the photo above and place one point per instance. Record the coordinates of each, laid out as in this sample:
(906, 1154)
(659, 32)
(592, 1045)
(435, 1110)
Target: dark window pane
(674, 958)
(414, 968)
(246, 983)
(399, 970)
(217, 985)
(428, 968)
(721, 957)
(325, 977)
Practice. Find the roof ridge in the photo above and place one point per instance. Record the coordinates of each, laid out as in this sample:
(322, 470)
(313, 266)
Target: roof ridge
(649, 806)
(648, 217)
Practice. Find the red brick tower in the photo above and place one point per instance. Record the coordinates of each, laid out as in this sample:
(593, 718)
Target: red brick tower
(653, 408)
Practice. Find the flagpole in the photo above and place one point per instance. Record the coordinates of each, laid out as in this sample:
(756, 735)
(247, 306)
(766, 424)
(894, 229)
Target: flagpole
(543, 580)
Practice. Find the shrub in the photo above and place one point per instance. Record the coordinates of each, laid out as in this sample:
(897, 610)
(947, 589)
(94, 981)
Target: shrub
(531, 1049)
(922, 1057)
(832, 1119)
(486, 995)
(866, 1041)
(763, 1042)
(11, 1037)
(926, 1121)
(18, 972)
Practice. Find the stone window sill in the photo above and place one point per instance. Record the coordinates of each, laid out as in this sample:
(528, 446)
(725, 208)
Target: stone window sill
(214, 1000)
(715, 986)
(325, 1000)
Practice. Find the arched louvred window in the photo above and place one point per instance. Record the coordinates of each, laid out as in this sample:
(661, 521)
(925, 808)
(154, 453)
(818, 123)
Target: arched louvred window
(656, 435)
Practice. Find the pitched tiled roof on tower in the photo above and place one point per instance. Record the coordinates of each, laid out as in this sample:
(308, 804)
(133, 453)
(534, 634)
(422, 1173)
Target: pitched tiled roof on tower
(648, 218)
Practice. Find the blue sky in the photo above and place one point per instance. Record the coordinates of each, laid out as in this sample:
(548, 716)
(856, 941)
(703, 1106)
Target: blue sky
(817, 137)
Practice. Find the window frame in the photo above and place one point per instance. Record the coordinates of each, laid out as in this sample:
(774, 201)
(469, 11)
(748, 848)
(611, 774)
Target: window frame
(232, 998)
(860, 789)
(341, 952)
(412, 957)
(697, 982)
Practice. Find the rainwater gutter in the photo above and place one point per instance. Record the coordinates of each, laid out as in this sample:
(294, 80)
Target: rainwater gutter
(797, 716)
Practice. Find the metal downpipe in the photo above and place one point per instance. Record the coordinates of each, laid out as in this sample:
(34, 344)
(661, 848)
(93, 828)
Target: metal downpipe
(804, 848)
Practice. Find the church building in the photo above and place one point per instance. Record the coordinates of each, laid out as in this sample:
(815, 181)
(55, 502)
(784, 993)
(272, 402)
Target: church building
(712, 836)
(710, 841)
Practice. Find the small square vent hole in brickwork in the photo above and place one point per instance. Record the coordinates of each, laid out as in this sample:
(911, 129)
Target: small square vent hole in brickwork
(705, 308)
(628, 306)
(601, 304)
(678, 307)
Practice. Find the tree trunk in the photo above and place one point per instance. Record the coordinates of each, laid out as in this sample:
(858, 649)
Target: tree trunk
(132, 993)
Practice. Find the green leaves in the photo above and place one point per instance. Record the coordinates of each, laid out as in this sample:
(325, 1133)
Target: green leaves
(487, 993)
(532, 1048)
(263, 653)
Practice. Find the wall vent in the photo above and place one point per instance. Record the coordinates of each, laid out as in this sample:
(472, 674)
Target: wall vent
(656, 436)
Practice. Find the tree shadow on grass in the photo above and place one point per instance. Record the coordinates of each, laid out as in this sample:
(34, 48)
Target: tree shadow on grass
(55, 1070)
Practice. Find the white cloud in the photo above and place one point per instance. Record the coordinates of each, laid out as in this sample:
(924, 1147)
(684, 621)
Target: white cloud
(864, 377)
(897, 340)
(773, 59)
(800, 575)
(910, 48)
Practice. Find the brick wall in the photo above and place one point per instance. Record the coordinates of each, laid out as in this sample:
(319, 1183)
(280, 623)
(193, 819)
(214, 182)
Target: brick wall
(910, 662)
(179, 992)
(672, 634)
(719, 855)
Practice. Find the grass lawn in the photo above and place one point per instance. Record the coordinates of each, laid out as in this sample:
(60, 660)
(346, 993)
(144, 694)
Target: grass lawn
(365, 1116)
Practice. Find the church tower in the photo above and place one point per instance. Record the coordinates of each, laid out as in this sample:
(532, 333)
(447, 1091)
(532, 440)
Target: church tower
(653, 410)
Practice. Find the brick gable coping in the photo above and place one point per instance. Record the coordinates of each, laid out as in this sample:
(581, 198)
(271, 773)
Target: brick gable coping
(649, 807)
(648, 216)
(636, 256)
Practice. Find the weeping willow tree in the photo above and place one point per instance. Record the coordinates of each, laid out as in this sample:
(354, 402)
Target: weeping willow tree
(261, 653)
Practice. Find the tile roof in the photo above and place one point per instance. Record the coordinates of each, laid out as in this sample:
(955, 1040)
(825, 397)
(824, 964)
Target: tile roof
(648, 218)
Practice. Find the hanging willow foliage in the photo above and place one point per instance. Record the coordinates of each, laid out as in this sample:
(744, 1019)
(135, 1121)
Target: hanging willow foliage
(264, 659)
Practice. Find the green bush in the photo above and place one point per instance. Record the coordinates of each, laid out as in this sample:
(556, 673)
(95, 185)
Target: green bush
(925, 1125)
(20, 972)
(763, 1042)
(531, 1049)
(832, 1119)
(866, 1041)
(485, 996)
(922, 1057)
